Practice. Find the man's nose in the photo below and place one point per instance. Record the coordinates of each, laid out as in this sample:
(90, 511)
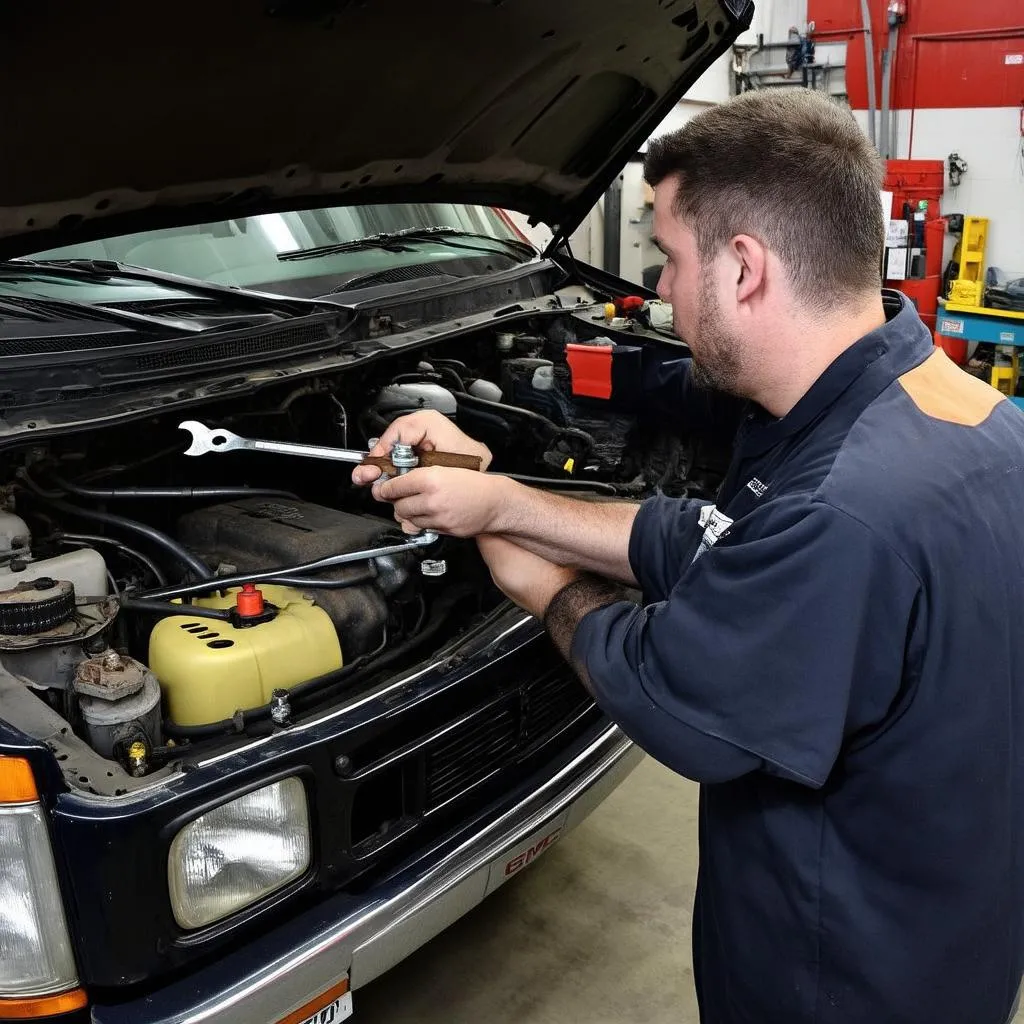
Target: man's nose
(662, 287)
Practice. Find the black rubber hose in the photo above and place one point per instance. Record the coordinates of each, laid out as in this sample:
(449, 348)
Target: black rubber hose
(95, 538)
(169, 544)
(442, 377)
(549, 427)
(110, 493)
(452, 377)
(376, 661)
(225, 727)
(571, 485)
(419, 377)
(498, 424)
(145, 604)
(456, 365)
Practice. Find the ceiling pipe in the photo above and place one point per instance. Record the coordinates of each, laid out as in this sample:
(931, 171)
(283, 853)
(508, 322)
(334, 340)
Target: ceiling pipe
(894, 119)
(884, 135)
(869, 59)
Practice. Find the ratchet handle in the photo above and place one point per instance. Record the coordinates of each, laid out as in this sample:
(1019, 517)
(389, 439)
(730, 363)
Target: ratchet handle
(451, 460)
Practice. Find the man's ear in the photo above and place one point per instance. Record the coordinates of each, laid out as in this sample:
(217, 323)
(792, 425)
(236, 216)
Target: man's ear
(750, 261)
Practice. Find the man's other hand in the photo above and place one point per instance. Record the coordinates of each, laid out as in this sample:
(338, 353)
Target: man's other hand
(427, 431)
(525, 578)
(457, 502)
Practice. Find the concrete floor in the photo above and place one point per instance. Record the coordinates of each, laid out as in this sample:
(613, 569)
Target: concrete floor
(598, 931)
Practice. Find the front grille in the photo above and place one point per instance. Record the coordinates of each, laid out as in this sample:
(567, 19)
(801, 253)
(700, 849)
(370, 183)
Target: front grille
(443, 765)
(493, 738)
(472, 753)
(549, 702)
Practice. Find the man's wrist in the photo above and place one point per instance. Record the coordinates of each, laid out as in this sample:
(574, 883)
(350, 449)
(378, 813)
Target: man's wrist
(508, 499)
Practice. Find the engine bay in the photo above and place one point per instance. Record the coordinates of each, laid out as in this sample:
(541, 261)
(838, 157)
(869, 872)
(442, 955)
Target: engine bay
(152, 604)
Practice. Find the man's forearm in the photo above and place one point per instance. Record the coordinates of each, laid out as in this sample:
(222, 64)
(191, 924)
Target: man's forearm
(593, 536)
(569, 607)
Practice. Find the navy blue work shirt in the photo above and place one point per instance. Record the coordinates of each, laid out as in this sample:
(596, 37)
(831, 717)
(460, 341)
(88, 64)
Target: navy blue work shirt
(833, 650)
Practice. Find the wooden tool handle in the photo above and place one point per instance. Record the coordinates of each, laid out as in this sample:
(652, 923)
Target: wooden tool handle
(449, 459)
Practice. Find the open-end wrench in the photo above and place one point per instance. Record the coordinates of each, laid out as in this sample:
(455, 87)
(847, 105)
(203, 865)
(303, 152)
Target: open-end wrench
(403, 457)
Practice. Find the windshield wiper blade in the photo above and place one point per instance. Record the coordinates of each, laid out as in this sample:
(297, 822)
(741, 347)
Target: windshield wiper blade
(394, 241)
(68, 309)
(101, 270)
(388, 242)
(454, 236)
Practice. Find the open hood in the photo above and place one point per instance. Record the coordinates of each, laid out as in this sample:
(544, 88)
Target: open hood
(126, 116)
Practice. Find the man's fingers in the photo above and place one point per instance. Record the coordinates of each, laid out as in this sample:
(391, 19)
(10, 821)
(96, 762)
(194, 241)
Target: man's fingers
(412, 525)
(363, 475)
(392, 489)
(416, 481)
(411, 508)
(412, 429)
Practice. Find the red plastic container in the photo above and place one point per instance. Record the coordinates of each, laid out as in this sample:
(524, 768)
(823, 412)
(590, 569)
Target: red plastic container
(591, 368)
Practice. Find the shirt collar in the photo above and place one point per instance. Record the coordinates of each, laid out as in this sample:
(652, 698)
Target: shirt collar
(877, 359)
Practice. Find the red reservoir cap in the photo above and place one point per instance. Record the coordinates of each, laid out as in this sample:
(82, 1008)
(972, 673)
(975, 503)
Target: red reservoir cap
(250, 601)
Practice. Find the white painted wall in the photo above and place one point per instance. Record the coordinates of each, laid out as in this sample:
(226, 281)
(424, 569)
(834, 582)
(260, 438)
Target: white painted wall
(773, 18)
(989, 140)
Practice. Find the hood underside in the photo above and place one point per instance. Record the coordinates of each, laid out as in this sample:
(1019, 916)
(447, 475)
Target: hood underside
(123, 117)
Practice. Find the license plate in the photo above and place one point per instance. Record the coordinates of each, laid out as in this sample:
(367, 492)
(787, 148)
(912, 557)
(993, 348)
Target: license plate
(340, 1009)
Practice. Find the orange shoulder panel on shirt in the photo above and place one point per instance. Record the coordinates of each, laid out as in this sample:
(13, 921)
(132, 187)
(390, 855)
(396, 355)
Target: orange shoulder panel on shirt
(939, 388)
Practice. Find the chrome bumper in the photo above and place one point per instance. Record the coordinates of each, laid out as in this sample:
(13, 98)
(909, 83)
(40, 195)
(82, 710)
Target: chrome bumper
(364, 943)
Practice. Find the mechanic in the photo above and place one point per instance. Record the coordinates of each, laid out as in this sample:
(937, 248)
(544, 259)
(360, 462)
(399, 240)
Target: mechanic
(830, 648)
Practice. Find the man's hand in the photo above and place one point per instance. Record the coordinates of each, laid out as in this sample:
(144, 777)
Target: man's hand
(457, 502)
(526, 578)
(428, 431)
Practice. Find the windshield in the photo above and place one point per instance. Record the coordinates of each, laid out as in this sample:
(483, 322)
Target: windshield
(245, 252)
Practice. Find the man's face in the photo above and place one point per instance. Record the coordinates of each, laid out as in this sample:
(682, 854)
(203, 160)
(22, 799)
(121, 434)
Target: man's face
(691, 285)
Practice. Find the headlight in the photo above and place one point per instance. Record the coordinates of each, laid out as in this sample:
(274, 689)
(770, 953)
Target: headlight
(35, 949)
(238, 853)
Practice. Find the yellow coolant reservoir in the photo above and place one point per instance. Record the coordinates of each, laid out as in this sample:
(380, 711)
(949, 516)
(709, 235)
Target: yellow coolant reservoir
(209, 669)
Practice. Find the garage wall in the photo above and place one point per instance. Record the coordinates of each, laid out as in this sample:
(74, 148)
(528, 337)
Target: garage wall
(989, 140)
(960, 68)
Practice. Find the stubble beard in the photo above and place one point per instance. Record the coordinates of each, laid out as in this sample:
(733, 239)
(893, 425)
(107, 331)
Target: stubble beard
(718, 365)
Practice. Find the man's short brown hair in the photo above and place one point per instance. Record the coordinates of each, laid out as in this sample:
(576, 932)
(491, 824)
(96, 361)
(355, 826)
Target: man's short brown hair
(792, 169)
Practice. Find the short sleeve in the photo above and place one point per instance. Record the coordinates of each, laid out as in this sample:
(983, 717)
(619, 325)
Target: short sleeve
(774, 641)
(662, 542)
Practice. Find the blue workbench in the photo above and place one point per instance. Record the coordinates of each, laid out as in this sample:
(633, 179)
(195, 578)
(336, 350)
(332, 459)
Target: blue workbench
(974, 323)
